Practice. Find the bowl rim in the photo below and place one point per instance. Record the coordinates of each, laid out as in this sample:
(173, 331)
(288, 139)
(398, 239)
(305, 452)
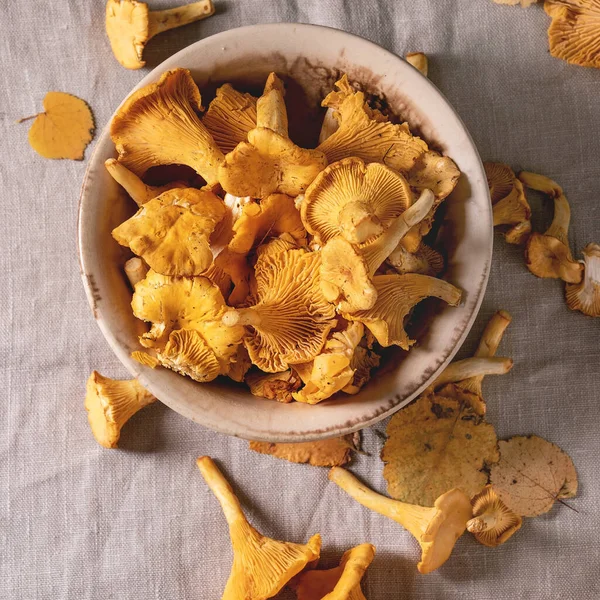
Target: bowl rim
(236, 429)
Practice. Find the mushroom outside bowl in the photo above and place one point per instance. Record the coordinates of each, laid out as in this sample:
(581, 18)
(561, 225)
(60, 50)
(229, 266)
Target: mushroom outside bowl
(312, 58)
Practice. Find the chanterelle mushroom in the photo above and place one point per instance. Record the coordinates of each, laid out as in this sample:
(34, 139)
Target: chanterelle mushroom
(130, 25)
(573, 34)
(158, 125)
(340, 583)
(269, 161)
(548, 254)
(419, 61)
(425, 261)
(493, 521)
(140, 192)
(396, 295)
(273, 386)
(436, 528)
(354, 200)
(585, 296)
(171, 232)
(110, 404)
(261, 566)
(290, 320)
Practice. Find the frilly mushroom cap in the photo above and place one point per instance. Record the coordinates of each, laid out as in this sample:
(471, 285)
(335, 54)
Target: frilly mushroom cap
(273, 216)
(127, 27)
(290, 319)
(585, 296)
(548, 257)
(501, 180)
(573, 34)
(396, 295)
(513, 208)
(239, 365)
(341, 583)
(220, 278)
(261, 566)
(145, 358)
(362, 362)
(493, 521)
(273, 386)
(158, 125)
(354, 200)
(363, 134)
(171, 232)
(425, 261)
(343, 90)
(434, 172)
(237, 268)
(419, 61)
(110, 404)
(230, 116)
(331, 370)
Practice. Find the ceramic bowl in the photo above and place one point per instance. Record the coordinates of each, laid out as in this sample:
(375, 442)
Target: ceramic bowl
(313, 57)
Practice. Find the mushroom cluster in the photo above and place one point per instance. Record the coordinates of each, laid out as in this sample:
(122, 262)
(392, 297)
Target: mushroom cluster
(285, 267)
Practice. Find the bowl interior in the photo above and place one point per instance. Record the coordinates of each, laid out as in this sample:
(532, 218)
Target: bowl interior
(312, 58)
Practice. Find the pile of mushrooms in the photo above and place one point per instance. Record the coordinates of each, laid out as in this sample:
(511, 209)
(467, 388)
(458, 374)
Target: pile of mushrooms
(286, 266)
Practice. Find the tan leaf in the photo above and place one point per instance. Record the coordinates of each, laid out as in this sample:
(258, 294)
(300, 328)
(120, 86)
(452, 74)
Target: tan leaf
(438, 443)
(64, 129)
(532, 474)
(324, 453)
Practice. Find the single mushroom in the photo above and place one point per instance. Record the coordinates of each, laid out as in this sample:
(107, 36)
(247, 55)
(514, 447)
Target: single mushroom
(340, 583)
(269, 161)
(140, 192)
(355, 200)
(158, 125)
(396, 296)
(110, 404)
(425, 261)
(261, 565)
(136, 270)
(289, 320)
(347, 270)
(130, 25)
(548, 254)
(493, 522)
(585, 296)
(230, 116)
(419, 61)
(573, 34)
(172, 232)
(436, 529)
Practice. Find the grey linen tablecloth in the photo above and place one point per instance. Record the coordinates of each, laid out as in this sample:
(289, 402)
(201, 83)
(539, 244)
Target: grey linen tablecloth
(77, 521)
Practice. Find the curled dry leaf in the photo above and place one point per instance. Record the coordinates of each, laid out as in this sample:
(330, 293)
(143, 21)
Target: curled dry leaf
(532, 474)
(333, 452)
(63, 129)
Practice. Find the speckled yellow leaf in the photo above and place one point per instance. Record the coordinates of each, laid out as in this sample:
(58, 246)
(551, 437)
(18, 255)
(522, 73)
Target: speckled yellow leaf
(531, 474)
(438, 443)
(64, 129)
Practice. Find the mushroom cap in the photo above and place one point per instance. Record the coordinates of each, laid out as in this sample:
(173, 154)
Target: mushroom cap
(363, 360)
(493, 521)
(425, 261)
(237, 268)
(396, 295)
(110, 404)
(273, 386)
(501, 180)
(230, 116)
(573, 34)
(290, 320)
(585, 296)
(513, 208)
(548, 257)
(171, 232)
(434, 172)
(158, 125)
(354, 200)
(128, 30)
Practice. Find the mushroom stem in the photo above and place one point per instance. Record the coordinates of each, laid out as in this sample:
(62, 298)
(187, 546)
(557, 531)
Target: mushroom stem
(484, 522)
(270, 107)
(241, 316)
(221, 489)
(163, 20)
(358, 223)
(473, 367)
(330, 125)
(135, 269)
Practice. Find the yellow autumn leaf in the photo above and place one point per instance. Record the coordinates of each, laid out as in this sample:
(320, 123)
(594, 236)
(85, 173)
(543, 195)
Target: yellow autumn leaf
(63, 129)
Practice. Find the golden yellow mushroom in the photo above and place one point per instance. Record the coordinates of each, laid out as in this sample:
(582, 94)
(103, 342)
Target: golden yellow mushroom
(354, 200)
(493, 522)
(396, 296)
(261, 565)
(585, 296)
(548, 254)
(269, 161)
(419, 61)
(425, 261)
(363, 361)
(273, 386)
(140, 192)
(340, 583)
(436, 529)
(110, 404)
(289, 320)
(130, 25)
(158, 125)
(230, 116)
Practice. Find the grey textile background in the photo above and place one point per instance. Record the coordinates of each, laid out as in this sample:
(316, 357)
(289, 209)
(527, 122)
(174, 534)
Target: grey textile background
(79, 522)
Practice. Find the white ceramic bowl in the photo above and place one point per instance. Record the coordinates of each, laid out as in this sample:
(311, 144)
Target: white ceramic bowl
(313, 56)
